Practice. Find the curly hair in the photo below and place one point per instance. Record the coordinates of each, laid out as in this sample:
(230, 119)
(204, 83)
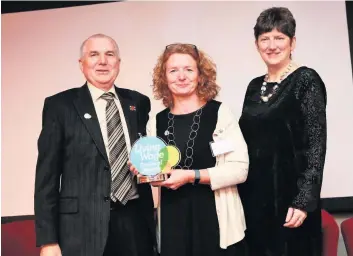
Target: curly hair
(207, 89)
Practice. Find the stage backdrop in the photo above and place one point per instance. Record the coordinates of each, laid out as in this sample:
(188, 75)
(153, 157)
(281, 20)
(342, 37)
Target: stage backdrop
(40, 51)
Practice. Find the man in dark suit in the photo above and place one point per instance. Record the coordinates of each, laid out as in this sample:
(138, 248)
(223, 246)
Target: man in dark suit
(86, 200)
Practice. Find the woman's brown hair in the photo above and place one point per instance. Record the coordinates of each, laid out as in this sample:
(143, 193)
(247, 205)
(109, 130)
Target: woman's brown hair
(207, 88)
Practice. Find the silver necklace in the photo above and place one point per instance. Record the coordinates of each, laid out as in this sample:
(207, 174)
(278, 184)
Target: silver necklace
(192, 136)
(264, 97)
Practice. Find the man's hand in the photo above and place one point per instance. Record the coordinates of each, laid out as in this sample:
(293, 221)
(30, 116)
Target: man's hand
(50, 250)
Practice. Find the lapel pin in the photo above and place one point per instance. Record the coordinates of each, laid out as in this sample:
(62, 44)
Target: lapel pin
(87, 116)
(132, 108)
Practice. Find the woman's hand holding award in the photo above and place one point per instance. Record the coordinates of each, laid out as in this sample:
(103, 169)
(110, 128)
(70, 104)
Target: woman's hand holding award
(153, 159)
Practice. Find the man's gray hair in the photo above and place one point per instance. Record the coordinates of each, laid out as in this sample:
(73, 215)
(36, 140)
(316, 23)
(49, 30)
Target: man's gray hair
(82, 48)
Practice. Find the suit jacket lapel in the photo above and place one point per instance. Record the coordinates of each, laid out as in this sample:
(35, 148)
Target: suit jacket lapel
(85, 108)
(129, 109)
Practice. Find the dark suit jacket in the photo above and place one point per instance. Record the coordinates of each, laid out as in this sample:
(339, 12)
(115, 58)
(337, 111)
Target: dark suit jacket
(73, 177)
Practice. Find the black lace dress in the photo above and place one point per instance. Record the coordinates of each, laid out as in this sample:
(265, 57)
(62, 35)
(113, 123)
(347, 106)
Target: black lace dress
(286, 139)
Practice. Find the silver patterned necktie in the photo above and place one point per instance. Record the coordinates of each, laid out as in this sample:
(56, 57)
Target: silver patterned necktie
(121, 186)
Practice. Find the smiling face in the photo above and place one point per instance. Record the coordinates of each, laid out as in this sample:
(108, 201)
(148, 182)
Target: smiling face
(182, 75)
(275, 48)
(100, 62)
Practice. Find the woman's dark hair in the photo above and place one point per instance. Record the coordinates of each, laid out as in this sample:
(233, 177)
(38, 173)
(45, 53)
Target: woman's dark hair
(279, 18)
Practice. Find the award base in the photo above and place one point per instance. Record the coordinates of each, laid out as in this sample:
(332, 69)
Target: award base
(149, 179)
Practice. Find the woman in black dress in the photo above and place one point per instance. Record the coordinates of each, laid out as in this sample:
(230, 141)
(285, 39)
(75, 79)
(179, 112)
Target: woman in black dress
(200, 212)
(284, 124)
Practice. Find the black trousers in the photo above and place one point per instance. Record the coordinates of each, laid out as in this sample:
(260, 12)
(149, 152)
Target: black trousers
(128, 231)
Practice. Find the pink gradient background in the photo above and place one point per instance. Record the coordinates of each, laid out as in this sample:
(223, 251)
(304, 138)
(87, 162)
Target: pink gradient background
(40, 58)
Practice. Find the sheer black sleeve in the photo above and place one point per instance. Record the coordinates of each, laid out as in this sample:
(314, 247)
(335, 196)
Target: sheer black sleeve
(312, 96)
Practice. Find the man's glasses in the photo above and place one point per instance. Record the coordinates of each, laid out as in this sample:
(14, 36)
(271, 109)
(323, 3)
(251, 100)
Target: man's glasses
(169, 46)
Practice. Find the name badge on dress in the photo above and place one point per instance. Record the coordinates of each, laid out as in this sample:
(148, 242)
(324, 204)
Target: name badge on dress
(221, 147)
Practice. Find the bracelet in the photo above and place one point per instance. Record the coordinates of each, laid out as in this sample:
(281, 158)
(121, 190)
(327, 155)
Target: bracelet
(197, 177)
